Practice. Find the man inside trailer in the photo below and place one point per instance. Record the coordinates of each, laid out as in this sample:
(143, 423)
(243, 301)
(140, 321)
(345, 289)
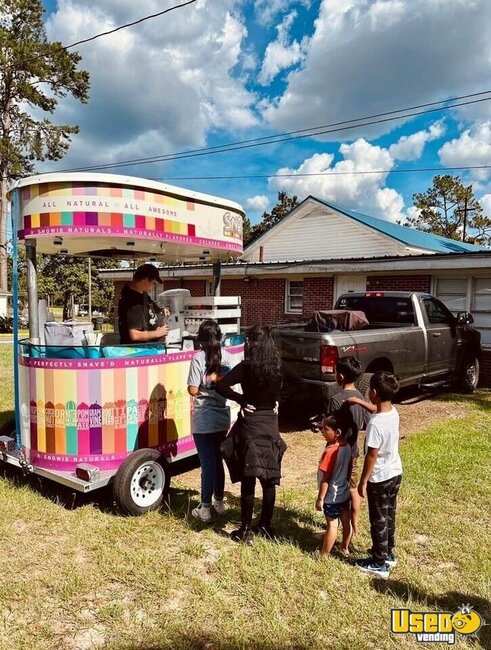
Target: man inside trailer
(140, 319)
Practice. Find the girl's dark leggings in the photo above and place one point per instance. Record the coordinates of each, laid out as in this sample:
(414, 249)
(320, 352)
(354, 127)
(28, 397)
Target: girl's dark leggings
(247, 489)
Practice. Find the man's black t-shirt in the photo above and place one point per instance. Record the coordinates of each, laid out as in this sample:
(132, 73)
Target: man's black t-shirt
(136, 311)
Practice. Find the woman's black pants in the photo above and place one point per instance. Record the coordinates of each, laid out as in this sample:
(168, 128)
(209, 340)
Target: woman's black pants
(247, 489)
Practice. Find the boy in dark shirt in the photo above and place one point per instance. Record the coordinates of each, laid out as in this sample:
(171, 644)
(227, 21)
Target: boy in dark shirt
(348, 370)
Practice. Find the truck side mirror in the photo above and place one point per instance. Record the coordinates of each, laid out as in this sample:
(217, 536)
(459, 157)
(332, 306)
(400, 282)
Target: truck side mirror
(464, 318)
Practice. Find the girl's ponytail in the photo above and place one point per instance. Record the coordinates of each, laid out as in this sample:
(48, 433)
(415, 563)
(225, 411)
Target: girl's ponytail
(209, 339)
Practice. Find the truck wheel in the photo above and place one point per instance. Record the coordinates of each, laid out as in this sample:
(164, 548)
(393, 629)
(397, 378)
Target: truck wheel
(469, 375)
(142, 482)
(364, 384)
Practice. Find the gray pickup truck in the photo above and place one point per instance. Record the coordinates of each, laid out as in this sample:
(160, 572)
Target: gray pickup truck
(413, 335)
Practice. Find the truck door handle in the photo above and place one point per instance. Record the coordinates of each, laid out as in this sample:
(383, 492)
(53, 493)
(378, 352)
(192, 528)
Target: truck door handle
(437, 334)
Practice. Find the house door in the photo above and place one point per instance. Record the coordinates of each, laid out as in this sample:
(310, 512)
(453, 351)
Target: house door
(349, 283)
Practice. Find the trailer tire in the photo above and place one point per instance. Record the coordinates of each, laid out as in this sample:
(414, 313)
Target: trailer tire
(142, 482)
(469, 375)
(364, 384)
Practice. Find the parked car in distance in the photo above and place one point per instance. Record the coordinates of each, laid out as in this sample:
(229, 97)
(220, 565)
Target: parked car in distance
(83, 311)
(413, 335)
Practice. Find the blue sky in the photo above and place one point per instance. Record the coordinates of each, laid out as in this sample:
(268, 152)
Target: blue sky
(221, 71)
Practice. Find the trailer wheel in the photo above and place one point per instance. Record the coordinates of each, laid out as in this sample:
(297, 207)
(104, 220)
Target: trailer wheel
(469, 375)
(364, 384)
(142, 482)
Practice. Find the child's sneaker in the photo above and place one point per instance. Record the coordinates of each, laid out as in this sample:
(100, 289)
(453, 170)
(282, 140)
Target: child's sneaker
(202, 512)
(244, 535)
(370, 566)
(391, 560)
(220, 506)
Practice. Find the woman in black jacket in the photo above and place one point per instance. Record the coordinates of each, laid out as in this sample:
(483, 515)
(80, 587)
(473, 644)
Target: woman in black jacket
(255, 443)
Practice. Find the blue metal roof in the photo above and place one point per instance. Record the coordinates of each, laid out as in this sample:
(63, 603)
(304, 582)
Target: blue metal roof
(405, 234)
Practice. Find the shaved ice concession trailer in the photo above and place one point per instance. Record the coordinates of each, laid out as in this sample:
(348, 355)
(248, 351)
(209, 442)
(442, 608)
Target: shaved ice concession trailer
(89, 411)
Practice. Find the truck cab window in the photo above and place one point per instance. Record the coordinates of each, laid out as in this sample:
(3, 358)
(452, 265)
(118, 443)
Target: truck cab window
(437, 313)
(387, 309)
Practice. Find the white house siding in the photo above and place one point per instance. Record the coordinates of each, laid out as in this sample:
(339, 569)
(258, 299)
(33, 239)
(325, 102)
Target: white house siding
(322, 235)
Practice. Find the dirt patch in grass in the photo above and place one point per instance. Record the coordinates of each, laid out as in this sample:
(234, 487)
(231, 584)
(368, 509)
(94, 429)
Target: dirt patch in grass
(305, 447)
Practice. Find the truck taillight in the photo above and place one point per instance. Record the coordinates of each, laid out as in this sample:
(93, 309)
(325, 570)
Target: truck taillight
(329, 357)
(374, 294)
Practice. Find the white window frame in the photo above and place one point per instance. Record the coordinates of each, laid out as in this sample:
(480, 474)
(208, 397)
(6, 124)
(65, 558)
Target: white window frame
(288, 295)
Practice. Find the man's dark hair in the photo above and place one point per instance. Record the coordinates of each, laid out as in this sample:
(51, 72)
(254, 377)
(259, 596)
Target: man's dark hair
(386, 385)
(147, 272)
(350, 368)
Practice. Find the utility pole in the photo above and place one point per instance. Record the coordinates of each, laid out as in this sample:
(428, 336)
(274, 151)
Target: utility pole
(466, 210)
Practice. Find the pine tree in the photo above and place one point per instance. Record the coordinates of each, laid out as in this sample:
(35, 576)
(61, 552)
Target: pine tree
(284, 206)
(450, 209)
(33, 74)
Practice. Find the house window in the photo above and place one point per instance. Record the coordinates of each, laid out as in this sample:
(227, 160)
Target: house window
(481, 308)
(294, 297)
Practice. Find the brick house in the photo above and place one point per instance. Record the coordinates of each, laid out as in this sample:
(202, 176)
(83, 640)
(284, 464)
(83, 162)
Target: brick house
(321, 250)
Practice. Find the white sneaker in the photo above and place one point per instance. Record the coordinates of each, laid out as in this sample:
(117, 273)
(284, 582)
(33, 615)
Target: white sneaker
(202, 512)
(220, 506)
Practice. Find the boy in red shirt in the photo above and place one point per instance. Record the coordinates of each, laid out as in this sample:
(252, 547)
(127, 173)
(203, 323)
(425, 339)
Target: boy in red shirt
(334, 476)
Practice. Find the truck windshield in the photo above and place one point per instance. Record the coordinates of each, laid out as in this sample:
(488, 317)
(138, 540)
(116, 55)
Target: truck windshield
(383, 309)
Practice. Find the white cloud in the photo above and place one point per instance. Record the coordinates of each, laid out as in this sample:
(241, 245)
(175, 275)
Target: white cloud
(370, 56)
(410, 147)
(485, 201)
(367, 193)
(156, 87)
(472, 147)
(257, 203)
(281, 54)
(267, 10)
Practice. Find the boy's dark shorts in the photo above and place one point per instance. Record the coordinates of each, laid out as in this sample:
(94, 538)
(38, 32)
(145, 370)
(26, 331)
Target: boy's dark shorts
(355, 473)
(334, 510)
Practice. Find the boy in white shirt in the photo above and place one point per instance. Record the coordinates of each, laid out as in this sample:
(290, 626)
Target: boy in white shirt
(382, 472)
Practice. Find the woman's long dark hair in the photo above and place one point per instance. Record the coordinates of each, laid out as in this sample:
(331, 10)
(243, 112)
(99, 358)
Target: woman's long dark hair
(209, 339)
(261, 355)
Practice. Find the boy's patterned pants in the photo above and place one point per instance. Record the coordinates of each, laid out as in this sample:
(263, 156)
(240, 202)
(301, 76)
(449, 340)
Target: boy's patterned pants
(382, 498)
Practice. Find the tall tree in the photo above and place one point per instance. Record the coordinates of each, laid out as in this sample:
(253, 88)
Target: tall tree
(33, 74)
(65, 280)
(450, 209)
(284, 206)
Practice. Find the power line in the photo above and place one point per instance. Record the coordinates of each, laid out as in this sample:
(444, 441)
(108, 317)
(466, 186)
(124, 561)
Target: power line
(110, 31)
(247, 144)
(135, 22)
(328, 173)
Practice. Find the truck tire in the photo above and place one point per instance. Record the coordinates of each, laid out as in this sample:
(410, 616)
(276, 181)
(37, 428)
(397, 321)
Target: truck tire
(142, 482)
(469, 375)
(364, 384)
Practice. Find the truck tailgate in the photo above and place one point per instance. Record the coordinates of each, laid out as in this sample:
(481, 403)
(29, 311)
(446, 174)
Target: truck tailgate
(300, 350)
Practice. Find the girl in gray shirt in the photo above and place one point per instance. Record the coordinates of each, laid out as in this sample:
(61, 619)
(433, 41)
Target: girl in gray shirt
(210, 419)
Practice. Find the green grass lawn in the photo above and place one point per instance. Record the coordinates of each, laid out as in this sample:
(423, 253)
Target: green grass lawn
(78, 576)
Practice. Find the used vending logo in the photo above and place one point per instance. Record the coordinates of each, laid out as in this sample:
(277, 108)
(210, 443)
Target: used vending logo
(232, 225)
(436, 627)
